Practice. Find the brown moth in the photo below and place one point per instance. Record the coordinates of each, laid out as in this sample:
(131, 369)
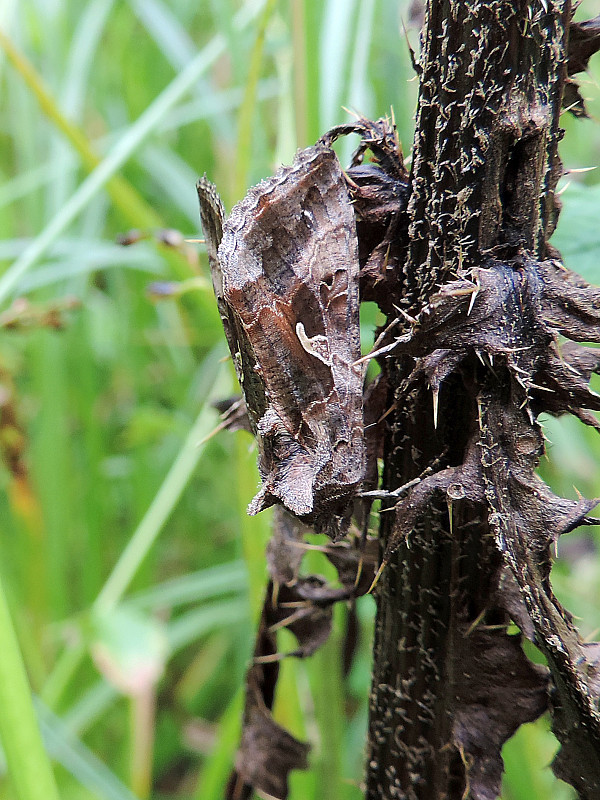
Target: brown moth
(285, 271)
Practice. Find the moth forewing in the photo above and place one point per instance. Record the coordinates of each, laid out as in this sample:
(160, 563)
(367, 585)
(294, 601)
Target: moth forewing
(288, 273)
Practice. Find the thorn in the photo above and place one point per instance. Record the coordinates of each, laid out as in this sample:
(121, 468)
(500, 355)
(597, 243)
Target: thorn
(349, 180)
(566, 109)
(354, 114)
(271, 659)
(450, 516)
(283, 623)
(518, 369)
(412, 320)
(540, 388)
(359, 571)
(396, 494)
(578, 170)
(374, 353)
(564, 188)
(195, 241)
(476, 622)
(382, 566)
(472, 302)
(221, 426)
(436, 397)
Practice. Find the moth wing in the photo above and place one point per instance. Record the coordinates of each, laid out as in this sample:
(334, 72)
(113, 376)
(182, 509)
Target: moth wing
(212, 217)
(289, 255)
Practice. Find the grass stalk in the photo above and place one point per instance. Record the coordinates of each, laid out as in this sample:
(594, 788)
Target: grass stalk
(159, 510)
(248, 107)
(120, 153)
(28, 763)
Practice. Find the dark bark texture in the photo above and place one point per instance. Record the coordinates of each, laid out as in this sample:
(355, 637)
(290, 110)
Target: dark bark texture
(485, 298)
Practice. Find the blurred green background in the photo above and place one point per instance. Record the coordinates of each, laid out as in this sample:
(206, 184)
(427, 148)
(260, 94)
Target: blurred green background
(132, 574)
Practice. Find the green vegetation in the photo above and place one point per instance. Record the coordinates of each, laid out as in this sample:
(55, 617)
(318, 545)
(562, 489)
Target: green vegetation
(132, 574)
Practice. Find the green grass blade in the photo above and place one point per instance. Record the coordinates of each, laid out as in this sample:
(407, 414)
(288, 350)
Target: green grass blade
(192, 588)
(119, 155)
(172, 38)
(213, 777)
(77, 759)
(191, 626)
(163, 502)
(245, 127)
(27, 761)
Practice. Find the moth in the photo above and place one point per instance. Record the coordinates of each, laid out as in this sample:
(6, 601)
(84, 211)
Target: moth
(285, 271)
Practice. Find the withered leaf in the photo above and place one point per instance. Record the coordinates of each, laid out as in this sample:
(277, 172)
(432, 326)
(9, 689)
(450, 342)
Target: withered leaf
(584, 41)
(284, 554)
(379, 192)
(267, 752)
(526, 517)
(266, 756)
(497, 690)
(305, 609)
(234, 414)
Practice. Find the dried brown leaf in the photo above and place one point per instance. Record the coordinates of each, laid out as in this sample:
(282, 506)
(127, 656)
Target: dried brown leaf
(497, 690)
(284, 551)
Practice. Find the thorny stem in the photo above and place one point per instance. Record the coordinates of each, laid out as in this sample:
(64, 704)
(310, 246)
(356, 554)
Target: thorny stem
(484, 171)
